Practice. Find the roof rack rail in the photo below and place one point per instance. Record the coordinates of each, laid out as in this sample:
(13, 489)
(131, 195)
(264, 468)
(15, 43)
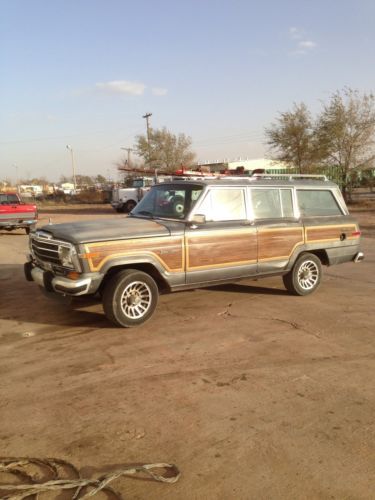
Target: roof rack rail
(293, 176)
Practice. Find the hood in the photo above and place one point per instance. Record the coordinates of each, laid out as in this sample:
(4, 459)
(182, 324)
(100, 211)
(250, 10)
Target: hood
(106, 230)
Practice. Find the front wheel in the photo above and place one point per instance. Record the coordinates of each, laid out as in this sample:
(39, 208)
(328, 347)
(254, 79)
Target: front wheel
(130, 298)
(305, 276)
(129, 205)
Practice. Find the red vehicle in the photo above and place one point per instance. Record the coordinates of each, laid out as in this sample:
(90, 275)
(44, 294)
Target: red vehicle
(15, 213)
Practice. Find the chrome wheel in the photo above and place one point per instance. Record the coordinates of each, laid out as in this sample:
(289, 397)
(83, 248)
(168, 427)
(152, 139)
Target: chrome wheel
(308, 275)
(136, 300)
(304, 277)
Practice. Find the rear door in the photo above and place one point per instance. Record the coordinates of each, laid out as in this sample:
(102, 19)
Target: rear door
(280, 231)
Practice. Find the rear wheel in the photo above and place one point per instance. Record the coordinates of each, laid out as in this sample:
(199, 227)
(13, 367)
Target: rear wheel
(130, 298)
(305, 276)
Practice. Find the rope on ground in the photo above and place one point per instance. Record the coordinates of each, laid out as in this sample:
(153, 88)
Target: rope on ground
(17, 466)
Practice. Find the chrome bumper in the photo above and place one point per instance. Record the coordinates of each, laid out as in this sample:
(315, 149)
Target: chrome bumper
(17, 223)
(58, 284)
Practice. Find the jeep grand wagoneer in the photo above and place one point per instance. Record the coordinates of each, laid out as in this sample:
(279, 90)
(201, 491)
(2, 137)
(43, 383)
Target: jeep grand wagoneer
(195, 233)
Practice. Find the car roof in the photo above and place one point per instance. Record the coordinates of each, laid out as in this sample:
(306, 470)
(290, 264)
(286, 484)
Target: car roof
(255, 182)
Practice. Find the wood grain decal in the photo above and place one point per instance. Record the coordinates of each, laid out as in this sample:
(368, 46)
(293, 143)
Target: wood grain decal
(330, 233)
(167, 250)
(221, 248)
(278, 243)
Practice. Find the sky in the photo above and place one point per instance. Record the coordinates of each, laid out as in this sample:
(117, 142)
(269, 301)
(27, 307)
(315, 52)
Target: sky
(84, 72)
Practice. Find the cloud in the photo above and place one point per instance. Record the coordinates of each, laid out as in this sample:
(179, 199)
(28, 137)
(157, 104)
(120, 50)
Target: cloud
(307, 44)
(295, 33)
(122, 87)
(302, 45)
(159, 91)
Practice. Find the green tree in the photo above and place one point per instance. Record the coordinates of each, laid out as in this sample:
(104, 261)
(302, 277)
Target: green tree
(345, 133)
(165, 150)
(100, 179)
(291, 139)
(84, 180)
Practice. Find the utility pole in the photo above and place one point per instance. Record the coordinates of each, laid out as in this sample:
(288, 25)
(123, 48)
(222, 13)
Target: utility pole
(147, 116)
(69, 147)
(128, 150)
(17, 179)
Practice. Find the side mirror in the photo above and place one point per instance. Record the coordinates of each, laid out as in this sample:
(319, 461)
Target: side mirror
(199, 219)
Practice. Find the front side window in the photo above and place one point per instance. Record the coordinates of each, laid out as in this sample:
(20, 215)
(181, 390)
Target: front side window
(317, 202)
(272, 203)
(224, 205)
(170, 201)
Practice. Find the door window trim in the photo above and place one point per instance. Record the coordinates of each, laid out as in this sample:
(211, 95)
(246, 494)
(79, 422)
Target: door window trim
(244, 190)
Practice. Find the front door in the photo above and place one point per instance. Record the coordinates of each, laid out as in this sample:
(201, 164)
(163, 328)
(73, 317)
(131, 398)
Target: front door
(225, 246)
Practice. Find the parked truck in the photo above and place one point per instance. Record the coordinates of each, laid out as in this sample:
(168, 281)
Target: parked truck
(15, 213)
(124, 199)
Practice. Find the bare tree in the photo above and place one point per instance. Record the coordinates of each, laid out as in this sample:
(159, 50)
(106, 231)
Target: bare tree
(291, 139)
(165, 150)
(345, 132)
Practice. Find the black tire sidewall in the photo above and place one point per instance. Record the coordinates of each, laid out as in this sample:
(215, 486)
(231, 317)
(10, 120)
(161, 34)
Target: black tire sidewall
(114, 290)
(297, 289)
(129, 205)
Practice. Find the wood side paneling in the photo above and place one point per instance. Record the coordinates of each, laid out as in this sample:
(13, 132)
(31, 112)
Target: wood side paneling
(218, 248)
(278, 243)
(167, 250)
(329, 233)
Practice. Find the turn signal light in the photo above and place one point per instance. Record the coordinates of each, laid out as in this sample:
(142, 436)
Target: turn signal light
(356, 233)
(73, 275)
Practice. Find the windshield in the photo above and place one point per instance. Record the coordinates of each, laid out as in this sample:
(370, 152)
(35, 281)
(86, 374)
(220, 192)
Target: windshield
(170, 201)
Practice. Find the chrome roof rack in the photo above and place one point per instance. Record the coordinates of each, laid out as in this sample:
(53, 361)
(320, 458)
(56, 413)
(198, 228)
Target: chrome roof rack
(292, 176)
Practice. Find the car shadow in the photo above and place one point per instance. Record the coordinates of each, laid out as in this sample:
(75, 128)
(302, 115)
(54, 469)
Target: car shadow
(25, 302)
(95, 210)
(240, 288)
(14, 232)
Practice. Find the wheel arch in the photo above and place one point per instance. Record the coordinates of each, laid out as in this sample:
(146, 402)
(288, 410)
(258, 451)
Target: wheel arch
(145, 267)
(321, 253)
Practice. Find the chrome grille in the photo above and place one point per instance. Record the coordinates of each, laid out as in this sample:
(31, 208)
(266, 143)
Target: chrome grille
(45, 250)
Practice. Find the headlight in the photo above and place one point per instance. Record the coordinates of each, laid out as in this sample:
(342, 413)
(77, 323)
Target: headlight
(66, 257)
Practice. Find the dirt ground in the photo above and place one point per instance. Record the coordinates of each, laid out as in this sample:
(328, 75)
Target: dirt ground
(252, 393)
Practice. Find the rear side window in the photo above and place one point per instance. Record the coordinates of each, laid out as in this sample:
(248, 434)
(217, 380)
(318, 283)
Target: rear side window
(224, 204)
(315, 202)
(272, 203)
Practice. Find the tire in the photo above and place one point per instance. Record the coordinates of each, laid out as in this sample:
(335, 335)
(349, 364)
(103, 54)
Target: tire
(129, 205)
(178, 206)
(130, 298)
(305, 276)
(120, 209)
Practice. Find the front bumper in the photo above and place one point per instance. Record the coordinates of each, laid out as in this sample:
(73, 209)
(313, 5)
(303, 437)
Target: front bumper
(86, 285)
(16, 223)
(116, 204)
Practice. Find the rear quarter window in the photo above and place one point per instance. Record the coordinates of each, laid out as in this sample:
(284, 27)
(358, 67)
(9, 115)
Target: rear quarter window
(317, 202)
